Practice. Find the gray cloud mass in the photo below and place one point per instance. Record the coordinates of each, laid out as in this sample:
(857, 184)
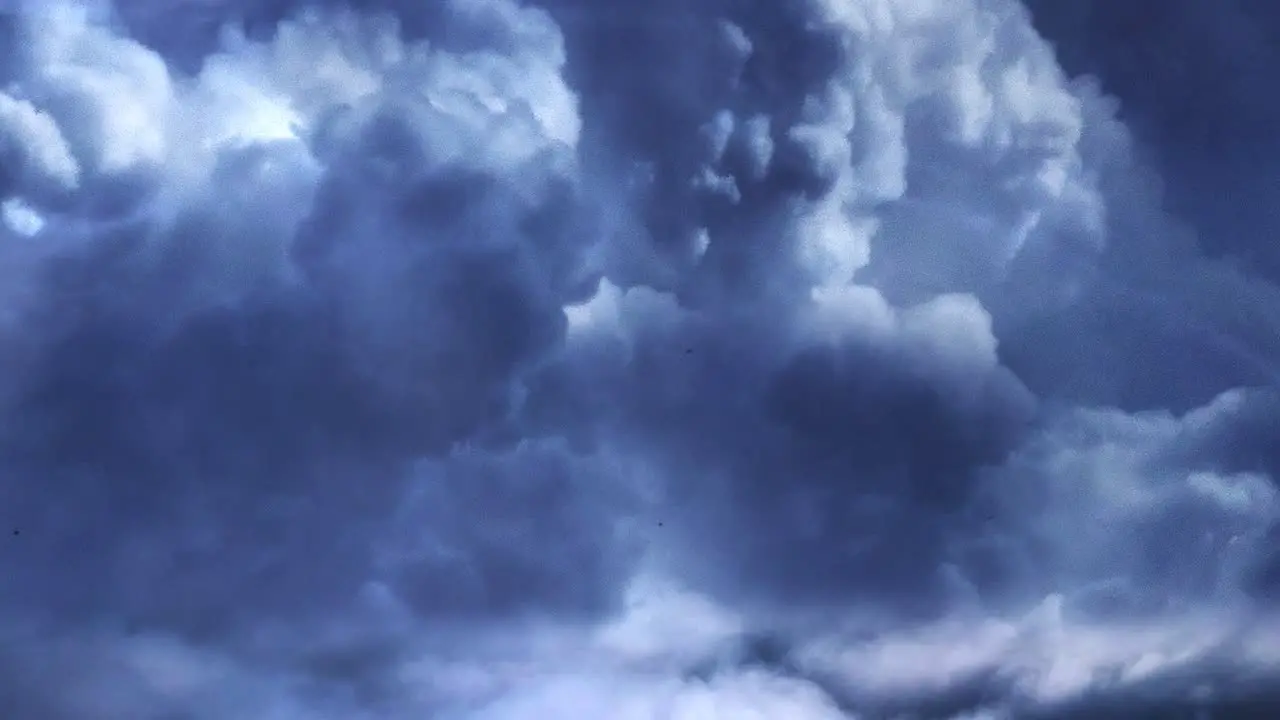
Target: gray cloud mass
(501, 360)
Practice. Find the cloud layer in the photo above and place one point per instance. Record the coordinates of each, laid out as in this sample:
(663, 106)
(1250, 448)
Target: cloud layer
(484, 360)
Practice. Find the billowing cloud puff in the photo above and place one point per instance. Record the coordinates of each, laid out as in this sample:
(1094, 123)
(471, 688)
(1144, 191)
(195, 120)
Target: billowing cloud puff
(1137, 511)
(306, 284)
(480, 359)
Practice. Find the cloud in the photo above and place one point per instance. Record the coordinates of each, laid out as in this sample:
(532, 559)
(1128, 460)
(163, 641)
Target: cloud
(270, 329)
(483, 360)
(1120, 507)
(36, 153)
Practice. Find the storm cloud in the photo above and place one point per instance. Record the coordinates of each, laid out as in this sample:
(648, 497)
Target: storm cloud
(481, 359)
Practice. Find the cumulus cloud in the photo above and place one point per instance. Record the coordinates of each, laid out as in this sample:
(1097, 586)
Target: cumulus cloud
(482, 359)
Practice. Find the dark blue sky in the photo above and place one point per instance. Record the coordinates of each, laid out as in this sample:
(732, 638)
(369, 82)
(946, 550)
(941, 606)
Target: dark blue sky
(1193, 78)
